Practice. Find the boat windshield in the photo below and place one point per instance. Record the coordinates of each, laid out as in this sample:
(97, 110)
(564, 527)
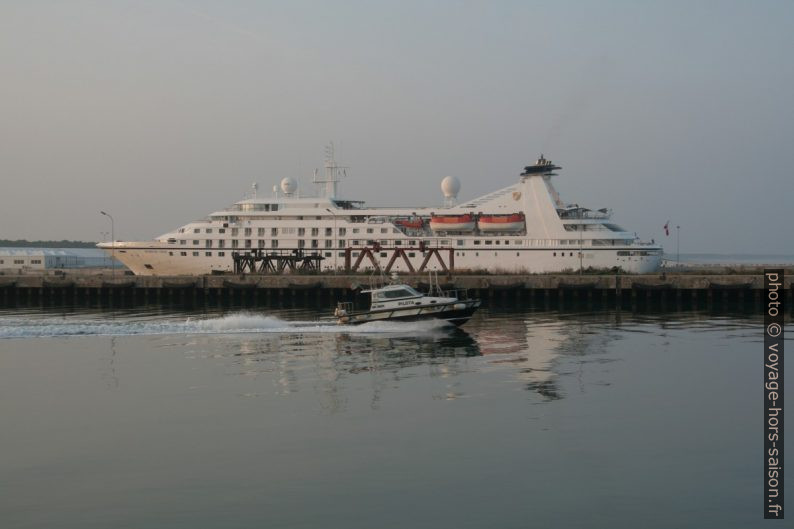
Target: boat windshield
(402, 292)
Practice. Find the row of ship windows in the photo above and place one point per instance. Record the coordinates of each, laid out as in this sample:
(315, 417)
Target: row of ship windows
(328, 254)
(22, 261)
(261, 243)
(329, 243)
(640, 253)
(343, 231)
(410, 254)
(286, 231)
(315, 232)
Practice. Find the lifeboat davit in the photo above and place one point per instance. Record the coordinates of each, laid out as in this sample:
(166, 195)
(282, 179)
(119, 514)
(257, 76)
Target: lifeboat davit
(509, 222)
(463, 222)
(413, 224)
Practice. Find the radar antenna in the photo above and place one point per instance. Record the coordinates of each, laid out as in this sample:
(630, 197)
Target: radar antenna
(333, 172)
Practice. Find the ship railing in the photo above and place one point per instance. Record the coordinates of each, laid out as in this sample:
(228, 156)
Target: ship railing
(277, 252)
(584, 214)
(390, 244)
(461, 294)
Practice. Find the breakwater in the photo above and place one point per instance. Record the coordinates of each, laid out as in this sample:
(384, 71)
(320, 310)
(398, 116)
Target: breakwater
(666, 292)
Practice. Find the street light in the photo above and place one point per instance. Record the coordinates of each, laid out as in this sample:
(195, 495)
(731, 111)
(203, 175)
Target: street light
(104, 235)
(113, 242)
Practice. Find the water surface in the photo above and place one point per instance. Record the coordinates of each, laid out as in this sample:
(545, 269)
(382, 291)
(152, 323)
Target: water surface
(238, 419)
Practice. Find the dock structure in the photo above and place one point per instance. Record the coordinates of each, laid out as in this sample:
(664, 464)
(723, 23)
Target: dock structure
(399, 254)
(259, 261)
(630, 292)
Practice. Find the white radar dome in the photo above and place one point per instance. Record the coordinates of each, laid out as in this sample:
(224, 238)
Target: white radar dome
(289, 185)
(450, 186)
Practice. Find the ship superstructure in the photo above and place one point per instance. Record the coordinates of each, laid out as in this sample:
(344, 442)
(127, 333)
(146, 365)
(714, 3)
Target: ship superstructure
(524, 227)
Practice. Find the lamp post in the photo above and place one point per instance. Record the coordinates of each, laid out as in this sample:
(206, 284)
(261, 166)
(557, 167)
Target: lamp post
(113, 242)
(104, 235)
(336, 250)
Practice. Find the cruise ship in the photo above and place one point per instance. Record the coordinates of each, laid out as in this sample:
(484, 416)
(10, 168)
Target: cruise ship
(522, 228)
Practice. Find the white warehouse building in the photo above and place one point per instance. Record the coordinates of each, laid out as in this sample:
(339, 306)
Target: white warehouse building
(24, 259)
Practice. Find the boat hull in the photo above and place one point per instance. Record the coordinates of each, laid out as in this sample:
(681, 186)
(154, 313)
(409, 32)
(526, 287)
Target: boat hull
(487, 227)
(452, 226)
(410, 224)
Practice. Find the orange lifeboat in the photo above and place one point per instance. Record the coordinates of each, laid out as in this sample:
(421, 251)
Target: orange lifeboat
(501, 223)
(411, 224)
(463, 222)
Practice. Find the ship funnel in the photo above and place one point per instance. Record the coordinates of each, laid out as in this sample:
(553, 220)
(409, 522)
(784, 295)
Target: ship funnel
(542, 167)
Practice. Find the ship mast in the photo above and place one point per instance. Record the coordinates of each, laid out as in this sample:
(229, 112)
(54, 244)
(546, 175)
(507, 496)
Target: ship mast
(333, 172)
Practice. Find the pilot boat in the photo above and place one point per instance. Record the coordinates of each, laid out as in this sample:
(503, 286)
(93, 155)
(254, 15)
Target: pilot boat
(404, 303)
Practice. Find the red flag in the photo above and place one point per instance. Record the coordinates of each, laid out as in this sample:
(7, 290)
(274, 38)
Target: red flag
(667, 228)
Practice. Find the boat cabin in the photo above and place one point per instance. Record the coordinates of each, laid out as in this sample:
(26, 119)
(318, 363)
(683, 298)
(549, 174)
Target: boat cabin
(392, 293)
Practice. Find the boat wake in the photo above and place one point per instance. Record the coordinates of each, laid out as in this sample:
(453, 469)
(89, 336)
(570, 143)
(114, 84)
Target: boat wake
(238, 323)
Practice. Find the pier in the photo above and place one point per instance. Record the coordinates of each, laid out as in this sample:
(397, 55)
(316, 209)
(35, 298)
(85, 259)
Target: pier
(684, 291)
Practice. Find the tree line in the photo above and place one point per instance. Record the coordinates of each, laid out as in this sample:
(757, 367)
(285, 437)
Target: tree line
(22, 243)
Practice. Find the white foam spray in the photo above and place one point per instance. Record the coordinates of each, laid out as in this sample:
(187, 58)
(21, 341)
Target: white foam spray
(241, 322)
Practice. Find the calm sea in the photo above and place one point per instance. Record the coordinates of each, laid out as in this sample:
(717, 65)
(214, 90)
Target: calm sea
(771, 260)
(234, 419)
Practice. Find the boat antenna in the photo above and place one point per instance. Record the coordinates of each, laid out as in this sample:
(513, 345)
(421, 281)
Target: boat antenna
(432, 279)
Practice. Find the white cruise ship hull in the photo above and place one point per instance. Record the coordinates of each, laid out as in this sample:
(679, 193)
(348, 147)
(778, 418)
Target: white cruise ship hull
(137, 255)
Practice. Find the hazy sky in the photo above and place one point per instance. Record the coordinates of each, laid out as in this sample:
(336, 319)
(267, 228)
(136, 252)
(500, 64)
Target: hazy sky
(160, 112)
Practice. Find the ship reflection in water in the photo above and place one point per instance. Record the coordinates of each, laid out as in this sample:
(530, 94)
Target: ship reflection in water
(526, 347)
